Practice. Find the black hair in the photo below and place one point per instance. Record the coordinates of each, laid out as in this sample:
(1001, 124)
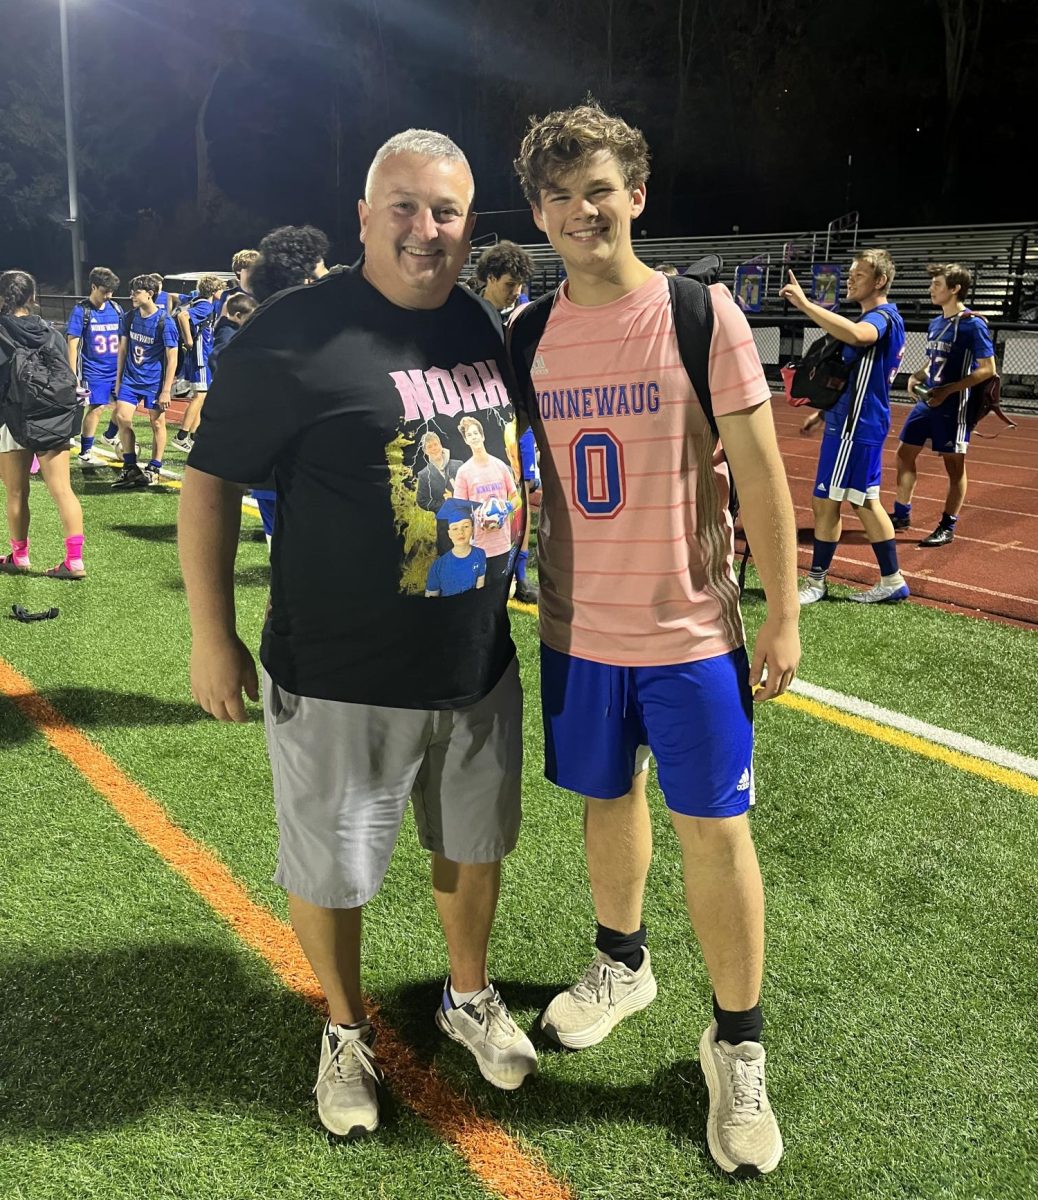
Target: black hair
(288, 257)
(103, 278)
(17, 290)
(146, 283)
(241, 304)
(505, 258)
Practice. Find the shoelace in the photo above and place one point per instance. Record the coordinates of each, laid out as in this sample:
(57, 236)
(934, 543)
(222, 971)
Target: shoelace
(359, 1052)
(599, 977)
(747, 1082)
(497, 1020)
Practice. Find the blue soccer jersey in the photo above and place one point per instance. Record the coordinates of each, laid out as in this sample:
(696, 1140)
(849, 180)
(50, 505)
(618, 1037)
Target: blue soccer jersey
(954, 346)
(146, 352)
(862, 414)
(450, 575)
(99, 329)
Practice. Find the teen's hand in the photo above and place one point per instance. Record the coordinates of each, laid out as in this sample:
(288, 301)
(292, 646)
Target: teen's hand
(776, 656)
(221, 669)
(794, 293)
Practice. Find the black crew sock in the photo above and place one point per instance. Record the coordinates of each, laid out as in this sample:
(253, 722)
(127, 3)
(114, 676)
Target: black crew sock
(623, 948)
(736, 1027)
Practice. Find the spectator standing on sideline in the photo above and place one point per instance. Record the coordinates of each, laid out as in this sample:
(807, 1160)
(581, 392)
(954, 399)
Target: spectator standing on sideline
(850, 460)
(959, 355)
(329, 389)
(642, 641)
(24, 328)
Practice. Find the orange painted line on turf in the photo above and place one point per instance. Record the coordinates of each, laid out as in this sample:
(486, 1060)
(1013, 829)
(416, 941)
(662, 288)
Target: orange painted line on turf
(491, 1154)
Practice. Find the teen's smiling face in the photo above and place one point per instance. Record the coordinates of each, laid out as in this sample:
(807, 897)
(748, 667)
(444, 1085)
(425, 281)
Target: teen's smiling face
(587, 213)
(416, 228)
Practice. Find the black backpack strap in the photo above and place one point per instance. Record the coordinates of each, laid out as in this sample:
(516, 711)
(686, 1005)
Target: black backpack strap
(694, 325)
(522, 337)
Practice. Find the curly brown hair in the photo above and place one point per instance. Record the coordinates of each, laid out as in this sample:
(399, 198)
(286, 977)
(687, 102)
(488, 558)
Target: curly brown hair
(565, 140)
(506, 258)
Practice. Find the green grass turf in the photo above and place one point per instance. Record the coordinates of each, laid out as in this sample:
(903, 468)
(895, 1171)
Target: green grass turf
(900, 974)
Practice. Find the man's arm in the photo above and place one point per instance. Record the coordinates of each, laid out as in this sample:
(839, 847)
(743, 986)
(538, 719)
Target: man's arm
(916, 379)
(766, 509)
(120, 362)
(166, 394)
(208, 526)
(984, 369)
(73, 353)
(184, 321)
(853, 333)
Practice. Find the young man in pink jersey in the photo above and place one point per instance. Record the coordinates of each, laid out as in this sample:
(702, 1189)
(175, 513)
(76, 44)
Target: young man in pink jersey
(642, 638)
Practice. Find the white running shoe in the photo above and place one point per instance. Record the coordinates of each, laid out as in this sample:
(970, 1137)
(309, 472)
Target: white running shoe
(348, 1081)
(811, 591)
(741, 1131)
(503, 1053)
(586, 1013)
(112, 442)
(90, 459)
(882, 593)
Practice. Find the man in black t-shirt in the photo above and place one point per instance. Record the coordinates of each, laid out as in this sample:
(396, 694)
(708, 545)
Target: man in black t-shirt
(374, 692)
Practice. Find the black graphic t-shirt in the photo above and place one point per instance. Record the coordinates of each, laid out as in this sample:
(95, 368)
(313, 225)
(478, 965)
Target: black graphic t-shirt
(389, 581)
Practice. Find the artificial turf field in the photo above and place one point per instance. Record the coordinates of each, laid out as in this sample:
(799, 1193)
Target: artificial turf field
(146, 1052)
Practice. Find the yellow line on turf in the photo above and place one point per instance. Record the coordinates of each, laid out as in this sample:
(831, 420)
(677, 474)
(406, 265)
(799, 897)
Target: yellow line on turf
(1015, 780)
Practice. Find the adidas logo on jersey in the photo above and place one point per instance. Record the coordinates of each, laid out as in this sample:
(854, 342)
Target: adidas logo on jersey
(540, 367)
(744, 781)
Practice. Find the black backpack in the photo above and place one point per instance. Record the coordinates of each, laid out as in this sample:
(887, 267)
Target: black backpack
(822, 376)
(693, 323)
(40, 406)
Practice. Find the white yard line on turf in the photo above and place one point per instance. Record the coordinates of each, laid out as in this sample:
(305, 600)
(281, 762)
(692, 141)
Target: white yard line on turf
(931, 733)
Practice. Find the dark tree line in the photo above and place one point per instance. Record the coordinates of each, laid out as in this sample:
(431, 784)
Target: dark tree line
(202, 124)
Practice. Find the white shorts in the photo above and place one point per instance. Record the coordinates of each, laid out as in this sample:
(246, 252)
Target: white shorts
(7, 442)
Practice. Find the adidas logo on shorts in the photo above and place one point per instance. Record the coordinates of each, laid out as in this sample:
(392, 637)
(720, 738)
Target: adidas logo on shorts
(540, 367)
(744, 781)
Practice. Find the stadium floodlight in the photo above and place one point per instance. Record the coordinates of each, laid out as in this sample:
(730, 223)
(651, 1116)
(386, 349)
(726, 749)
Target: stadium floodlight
(70, 157)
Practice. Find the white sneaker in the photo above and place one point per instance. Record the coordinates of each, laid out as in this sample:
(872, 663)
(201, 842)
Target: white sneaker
(504, 1054)
(348, 1081)
(811, 591)
(90, 459)
(113, 442)
(882, 593)
(586, 1013)
(741, 1131)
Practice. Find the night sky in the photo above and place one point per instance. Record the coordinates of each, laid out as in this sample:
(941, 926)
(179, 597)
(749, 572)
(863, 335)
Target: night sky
(751, 123)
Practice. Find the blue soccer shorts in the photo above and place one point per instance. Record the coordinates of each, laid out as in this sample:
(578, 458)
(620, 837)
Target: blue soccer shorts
(944, 427)
(101, 388)
(848, 470)
(199, 376)
(696, 718)
(131, 395)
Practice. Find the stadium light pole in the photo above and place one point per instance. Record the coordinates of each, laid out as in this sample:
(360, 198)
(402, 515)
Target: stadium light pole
(70, 157)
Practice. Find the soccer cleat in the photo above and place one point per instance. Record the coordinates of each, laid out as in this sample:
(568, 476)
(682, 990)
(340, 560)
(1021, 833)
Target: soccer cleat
(586, 1013)
(132, 477)
(941, 536)
(882, 593)
(900, 523)
(154, 474)
(812, 590)
(526, 592)
(348, 1081)
(504, 1054)
(741, 1131)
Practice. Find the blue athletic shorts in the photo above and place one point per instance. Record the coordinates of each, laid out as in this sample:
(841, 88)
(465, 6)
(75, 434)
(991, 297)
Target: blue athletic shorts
(197, 375)
(101, 387)
(940, 426)
(528, 455)
(697, 719)
(131, 395)
(848, 471)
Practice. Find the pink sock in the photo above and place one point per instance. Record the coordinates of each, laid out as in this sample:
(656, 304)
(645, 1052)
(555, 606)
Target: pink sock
(74, 552)
(20, 552)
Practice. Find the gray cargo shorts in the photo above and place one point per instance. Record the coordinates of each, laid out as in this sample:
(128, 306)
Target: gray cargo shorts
(343, 774)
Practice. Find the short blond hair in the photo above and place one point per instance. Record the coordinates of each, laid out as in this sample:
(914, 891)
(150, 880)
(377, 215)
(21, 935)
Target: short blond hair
(566, 139)
(880, 262)
(243, 260)
(209, 285)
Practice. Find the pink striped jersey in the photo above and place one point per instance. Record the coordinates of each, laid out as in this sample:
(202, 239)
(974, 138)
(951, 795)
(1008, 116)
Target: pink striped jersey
(635, 541)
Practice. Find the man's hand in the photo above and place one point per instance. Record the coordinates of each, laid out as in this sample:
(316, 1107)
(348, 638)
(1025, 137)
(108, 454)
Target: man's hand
(794, 293)
(776, 655)
(938, 395)
(221, 669)
(163, 401)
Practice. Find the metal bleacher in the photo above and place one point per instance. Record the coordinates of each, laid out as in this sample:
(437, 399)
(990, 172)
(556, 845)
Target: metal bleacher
(1002, 257)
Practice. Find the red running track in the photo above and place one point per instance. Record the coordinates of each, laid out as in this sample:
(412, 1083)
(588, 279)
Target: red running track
(991, 568)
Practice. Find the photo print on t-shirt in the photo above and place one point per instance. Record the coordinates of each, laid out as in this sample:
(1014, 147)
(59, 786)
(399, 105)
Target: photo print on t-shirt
(454, 472)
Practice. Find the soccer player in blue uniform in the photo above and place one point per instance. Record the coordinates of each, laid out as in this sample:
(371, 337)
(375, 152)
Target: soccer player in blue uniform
(850, 461)
(93, 350)
(196, 321)
(959, 355)
(147, 365)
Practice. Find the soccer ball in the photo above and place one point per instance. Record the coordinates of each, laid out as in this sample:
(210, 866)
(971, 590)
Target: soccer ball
(492, 513)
